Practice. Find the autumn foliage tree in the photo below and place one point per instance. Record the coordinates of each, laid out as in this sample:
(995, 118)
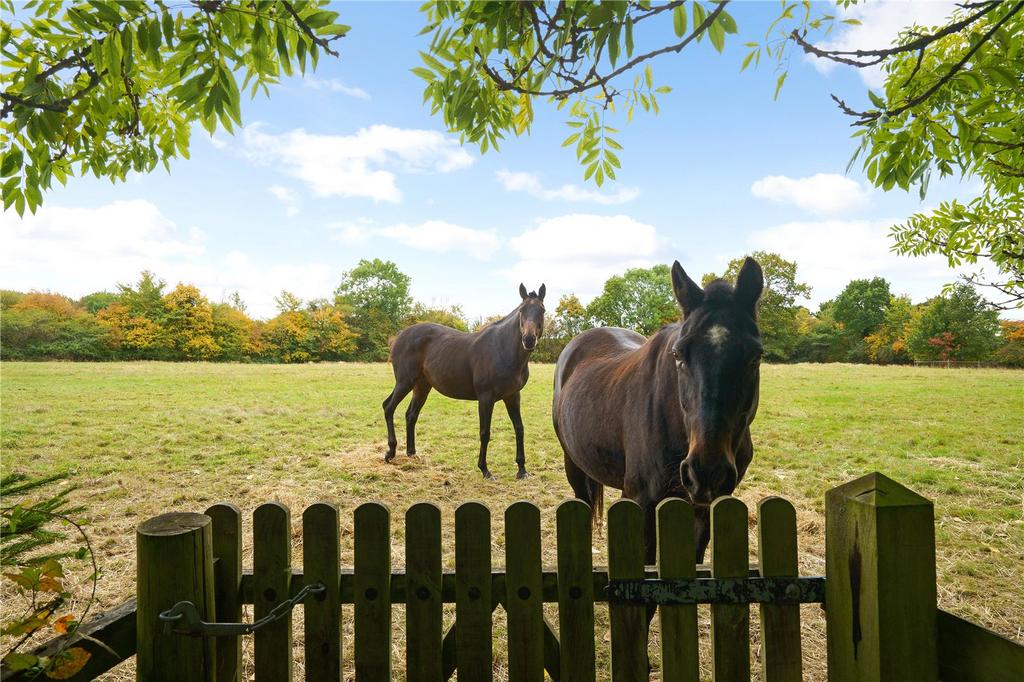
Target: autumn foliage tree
(188, 324)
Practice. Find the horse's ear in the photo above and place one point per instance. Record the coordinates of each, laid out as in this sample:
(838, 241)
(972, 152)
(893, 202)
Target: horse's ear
(688, 293)
(749, 284)
(522, 291)
(540, 292)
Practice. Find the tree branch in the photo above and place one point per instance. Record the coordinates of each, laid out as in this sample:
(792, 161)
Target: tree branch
(593, 80)
(843, 56)
(869, 116)
(324, 44)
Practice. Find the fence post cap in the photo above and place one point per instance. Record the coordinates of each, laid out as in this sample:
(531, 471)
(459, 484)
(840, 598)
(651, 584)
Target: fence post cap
(173, 523)
(878, 490)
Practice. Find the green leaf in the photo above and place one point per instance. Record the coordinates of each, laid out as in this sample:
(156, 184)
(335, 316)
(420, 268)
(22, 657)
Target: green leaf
(717, 35)
(679, 20)
(746, 60)
(876, 100)
(107, 12)
(425, 74)
(569, 140)
(699, 15)
(778, 84)
(629, 36)
(12, 162)
(727, 22)
(432, 62)
(16, 661)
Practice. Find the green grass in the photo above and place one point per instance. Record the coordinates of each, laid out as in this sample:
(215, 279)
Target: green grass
(152, 437)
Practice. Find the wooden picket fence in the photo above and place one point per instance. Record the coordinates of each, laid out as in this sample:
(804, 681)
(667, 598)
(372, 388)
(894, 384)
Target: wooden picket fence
(880, 592)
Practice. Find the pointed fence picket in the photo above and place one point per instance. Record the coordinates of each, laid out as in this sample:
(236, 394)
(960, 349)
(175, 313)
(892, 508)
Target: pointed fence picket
(860, 519)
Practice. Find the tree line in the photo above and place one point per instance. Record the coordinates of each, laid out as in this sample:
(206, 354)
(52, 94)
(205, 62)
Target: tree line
(148, 320)
(867, 322)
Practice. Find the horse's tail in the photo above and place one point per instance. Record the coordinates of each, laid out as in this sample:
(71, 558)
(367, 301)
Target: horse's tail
(597, 504)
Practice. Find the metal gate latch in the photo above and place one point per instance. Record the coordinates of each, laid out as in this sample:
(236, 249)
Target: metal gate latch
(195, 626)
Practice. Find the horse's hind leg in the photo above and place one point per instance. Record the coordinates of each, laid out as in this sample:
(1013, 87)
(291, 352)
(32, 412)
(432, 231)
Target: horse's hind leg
(585, 488)
(579, 481)
(401, 390)
(419, 396)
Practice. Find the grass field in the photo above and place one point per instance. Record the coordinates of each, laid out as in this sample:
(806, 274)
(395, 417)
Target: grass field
(146, 438)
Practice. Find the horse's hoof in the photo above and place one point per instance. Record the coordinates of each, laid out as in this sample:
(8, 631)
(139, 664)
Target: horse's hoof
(411, 453)
(522, 474)
(388, 458)
(488, 476)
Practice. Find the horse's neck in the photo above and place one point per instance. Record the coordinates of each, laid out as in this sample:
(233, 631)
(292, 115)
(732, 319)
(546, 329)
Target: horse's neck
(509, 336)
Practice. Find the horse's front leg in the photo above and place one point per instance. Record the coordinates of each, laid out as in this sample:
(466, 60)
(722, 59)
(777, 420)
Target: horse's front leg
(512, 405)
(486, 407)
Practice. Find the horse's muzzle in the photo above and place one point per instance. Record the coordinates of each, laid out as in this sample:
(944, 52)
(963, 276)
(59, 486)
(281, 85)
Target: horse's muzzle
(529, 342)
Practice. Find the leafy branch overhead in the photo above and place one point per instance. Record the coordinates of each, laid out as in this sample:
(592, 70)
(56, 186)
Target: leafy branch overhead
(488, 61)
(950, 106)
(107, 87)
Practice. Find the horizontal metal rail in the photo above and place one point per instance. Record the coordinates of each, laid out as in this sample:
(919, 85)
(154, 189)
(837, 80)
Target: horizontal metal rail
(717, 591)
(549, 584)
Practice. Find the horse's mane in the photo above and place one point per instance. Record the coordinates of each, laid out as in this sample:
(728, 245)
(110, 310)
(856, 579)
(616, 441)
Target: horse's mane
(532, 294)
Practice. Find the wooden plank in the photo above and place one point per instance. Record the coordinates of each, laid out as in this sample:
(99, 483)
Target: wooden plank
(575, 591)
(970, 653)
(174, 562)
(114, 628)
(473, 593)
(423, 606)
(730, 623)
(227, 577)
(881, 594)
(780, 625)
(523, 603)
(372, 587)
(272, 565)
(626, 561)
(321, 563)
(677, 559)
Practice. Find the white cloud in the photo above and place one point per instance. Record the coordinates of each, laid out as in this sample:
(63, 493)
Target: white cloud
(287, 196)
(76, 251)
(830, 253)
(360, 165)
(436, 236)
(881, 23)
(823, 193)
(530, 183)
(335, 85)
(581, 251)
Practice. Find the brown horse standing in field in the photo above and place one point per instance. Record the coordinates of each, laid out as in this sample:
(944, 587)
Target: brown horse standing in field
(487, 366)
(665, 416)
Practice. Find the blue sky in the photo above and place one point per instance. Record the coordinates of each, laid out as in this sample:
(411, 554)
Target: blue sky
(348, 164)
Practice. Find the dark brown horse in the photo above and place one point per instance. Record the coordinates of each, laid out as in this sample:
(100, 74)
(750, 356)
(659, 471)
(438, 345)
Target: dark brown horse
(665, 416)
(487, 366)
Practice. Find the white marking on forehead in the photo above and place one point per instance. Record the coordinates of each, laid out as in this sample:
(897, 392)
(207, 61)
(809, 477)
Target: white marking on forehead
(717, 335)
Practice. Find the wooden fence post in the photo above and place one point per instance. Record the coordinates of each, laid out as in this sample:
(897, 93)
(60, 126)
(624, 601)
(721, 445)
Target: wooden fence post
(880, 594)
(174, 555)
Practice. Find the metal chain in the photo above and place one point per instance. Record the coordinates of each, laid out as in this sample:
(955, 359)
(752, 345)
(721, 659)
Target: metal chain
(195, 626)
